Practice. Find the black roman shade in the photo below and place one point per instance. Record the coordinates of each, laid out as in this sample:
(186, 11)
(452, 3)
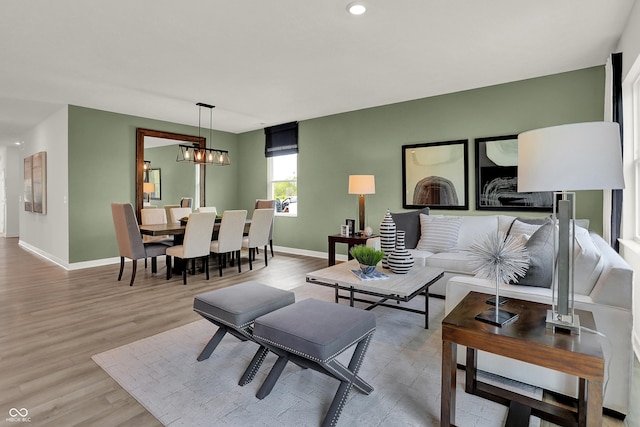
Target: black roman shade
(281, 139)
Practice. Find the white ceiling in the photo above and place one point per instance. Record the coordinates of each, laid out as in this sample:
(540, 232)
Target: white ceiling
(269, 62)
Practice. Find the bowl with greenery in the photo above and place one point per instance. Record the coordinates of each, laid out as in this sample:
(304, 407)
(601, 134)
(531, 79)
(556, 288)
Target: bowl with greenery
(367, 257)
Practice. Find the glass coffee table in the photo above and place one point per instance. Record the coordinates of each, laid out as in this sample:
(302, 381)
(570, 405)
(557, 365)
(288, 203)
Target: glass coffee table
(396, 287)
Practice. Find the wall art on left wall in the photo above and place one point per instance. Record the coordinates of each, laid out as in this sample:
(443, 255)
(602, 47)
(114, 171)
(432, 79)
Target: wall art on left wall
(35, 183)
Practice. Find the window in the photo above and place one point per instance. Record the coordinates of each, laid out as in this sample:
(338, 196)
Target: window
(283, 183)
(635, 122)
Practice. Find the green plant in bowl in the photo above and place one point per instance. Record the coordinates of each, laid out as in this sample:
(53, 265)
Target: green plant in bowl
(367, 257)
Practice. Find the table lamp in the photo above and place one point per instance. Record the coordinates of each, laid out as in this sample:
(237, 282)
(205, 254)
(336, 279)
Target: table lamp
(148, 188)
(579, 156)
(361, 185)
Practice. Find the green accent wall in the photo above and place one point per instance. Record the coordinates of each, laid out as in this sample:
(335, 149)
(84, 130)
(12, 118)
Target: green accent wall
(102, 151)
(369, 142)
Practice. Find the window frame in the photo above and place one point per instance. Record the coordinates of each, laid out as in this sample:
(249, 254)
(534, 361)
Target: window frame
(271, 181)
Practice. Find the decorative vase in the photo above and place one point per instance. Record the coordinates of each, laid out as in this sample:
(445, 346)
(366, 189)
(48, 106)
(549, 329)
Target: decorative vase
(387, 237)
(400, 260)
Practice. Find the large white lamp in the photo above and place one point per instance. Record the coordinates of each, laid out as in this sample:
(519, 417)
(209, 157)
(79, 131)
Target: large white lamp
(579, 156)
(361, 185)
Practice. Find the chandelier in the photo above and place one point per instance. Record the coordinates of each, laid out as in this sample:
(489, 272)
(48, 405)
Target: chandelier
(203, 155)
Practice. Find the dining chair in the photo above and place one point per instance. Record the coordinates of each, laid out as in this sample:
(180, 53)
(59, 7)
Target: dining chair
(267, 204)
(186, 202)
(207, 209)
(176, 214)
(229, 236)
(130, 244)
(155, 216)
(258, 234)
(197, 237)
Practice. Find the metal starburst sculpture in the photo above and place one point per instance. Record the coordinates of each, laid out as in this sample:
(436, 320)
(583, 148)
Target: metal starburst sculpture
(499, 257)
(503, 259)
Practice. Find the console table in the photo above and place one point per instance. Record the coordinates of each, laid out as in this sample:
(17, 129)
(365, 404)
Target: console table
(528, 340)
(351, 241)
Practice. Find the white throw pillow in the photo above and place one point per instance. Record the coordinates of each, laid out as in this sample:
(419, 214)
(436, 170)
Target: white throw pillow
(438, 233)
(518, 228)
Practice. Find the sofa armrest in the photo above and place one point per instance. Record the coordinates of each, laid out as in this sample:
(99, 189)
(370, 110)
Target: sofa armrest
(374, 242)
(614, 287)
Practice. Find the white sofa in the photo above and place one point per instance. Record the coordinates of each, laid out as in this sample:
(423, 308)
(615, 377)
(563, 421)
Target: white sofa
(603, 285)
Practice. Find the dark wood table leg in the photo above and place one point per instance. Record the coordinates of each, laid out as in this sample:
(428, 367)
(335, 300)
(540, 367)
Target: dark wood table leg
(332, 252)
(448, 392)
(594, 403)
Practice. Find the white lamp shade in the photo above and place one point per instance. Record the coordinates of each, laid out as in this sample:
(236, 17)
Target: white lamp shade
(362, 184)
(578, 156)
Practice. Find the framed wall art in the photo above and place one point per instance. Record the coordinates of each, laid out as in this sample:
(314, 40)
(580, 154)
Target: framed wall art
(496, 161)
(436, 174)
(35, 183)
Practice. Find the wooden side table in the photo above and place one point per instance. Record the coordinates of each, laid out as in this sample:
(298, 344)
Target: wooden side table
(351, 241)
(528, 340)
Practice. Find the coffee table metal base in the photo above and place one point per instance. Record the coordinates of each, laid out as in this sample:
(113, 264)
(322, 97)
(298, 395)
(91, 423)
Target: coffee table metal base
(421, 289)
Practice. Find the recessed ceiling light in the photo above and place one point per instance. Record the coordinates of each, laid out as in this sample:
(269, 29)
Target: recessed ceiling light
(356, 8)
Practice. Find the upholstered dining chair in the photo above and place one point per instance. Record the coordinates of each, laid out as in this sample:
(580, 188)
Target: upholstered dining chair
(207, 209)
(155, 216)
(186, 202)
(229, 236)
(258, 234)
(267, 204)
(176, 214)
(197, 237)
(130, 244)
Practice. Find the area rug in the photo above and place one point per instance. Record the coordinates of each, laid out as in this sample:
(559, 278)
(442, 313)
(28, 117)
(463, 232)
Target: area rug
(403, 365)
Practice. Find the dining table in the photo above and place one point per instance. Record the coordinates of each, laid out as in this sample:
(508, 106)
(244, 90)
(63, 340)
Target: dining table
(177, 230)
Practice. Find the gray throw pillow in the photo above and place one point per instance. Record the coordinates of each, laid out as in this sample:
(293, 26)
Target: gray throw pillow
(409, 222)
(540, 248)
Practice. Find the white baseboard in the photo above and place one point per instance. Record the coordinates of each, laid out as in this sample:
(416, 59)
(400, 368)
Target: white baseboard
(64, 264)
(116, 260)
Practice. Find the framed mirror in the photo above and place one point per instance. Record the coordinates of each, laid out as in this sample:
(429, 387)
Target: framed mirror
(435, 174)
(141, 134)
(497, 178)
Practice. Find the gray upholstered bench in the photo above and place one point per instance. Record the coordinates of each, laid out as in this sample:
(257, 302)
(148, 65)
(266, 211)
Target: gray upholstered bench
(234, 309)
(311, 334)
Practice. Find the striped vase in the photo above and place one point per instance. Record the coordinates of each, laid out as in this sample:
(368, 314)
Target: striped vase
(400, 260)
(387, 237)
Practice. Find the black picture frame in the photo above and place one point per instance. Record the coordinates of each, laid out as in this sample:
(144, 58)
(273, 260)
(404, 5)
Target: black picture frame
(496, 165)
(352, 226)
(155, 178)
(436, 175)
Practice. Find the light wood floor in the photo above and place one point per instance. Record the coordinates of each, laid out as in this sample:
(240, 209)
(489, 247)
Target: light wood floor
(52, 321)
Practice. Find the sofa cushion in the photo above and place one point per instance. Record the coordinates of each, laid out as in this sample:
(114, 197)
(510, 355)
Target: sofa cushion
(474, 226)
(438, 233)
(409, 222)
(453, 262)
(419, 257)
(541, 253)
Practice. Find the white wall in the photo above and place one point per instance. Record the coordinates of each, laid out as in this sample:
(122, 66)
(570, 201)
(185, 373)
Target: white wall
(629, 45)
(48, 234)
(13, 180)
